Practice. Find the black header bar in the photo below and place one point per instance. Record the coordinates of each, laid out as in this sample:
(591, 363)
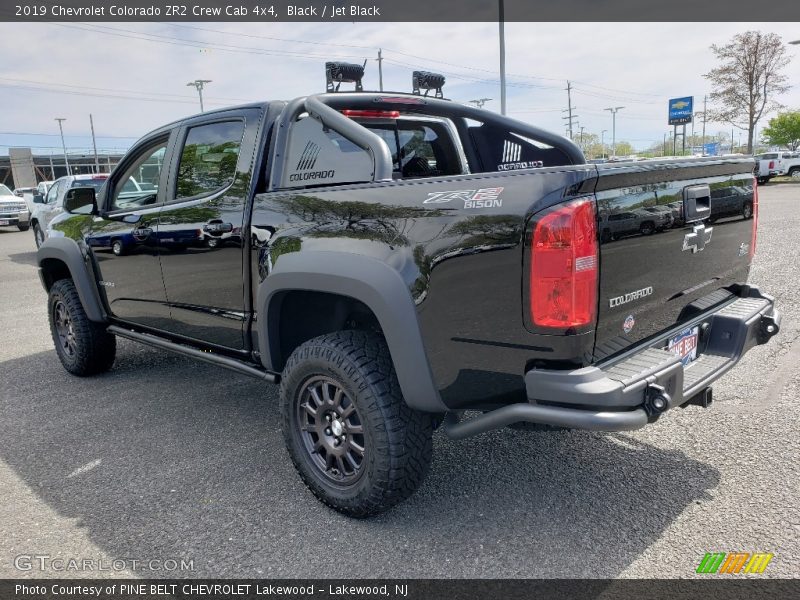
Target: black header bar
(277, 11)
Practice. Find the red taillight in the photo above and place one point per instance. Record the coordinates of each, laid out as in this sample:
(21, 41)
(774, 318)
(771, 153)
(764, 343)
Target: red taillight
(372, 114)
(754, 233)
(772, 164)
(564, 266)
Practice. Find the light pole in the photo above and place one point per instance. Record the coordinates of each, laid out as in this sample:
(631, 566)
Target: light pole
(603, 143)
(502, 59)
(198, 84)
(613, 110)
(63, 145)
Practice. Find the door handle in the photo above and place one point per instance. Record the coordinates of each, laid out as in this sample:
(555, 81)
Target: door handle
(696, 203)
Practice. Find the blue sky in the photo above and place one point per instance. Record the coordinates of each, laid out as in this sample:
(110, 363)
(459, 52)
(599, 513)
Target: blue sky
(132, 76)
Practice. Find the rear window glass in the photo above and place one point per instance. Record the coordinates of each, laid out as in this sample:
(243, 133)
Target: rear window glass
(93, 183)
(418, 149)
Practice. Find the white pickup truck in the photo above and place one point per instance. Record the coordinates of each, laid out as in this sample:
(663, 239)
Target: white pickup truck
(775, 164)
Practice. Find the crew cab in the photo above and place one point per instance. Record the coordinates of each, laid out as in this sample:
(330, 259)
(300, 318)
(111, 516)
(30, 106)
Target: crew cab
(402, 259)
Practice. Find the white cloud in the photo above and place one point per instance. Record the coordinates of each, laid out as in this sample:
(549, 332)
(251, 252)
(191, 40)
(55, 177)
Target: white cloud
(636, 65)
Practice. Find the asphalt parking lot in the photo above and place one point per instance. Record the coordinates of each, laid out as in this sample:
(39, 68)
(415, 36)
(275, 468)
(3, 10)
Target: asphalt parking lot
(166, 458)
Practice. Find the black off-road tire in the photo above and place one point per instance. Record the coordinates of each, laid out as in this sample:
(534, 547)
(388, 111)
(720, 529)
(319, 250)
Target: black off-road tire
(38, 237)
(83, 346)
(396, 439)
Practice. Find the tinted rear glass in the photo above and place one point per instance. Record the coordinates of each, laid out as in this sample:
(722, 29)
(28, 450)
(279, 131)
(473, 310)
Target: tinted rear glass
(95, 183)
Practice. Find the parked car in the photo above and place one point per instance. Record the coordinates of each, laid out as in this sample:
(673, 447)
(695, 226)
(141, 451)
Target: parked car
(21, 191)
(393, 294)
(664, 216)
(730, 201)
(50, 205)
(777, 164)
(13, 210)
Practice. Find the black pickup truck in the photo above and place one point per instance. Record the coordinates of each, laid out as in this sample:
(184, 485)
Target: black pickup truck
(394, 261)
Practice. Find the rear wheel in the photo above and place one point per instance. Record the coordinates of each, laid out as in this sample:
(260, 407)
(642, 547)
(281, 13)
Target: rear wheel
(352, 438)
(83, 346)
(38, 234)
(747, 210)
(794, 172)
(117, 248)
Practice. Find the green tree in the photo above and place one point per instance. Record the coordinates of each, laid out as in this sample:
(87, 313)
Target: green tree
(747, 80)
(784, 130)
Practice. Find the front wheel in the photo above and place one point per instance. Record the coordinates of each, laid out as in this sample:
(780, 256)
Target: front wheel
(83, 346)
(38, 234)
(352, 438)
(646, 228)
(747, 210)
(794, 173)
(117, 248)
(23, 227)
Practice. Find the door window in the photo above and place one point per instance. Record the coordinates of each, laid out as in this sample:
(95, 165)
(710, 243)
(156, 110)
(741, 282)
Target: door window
(54, 190)
(209, 157)
(138, 186)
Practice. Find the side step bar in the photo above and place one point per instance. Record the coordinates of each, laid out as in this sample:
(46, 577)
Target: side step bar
(215, 359)
(626, 420)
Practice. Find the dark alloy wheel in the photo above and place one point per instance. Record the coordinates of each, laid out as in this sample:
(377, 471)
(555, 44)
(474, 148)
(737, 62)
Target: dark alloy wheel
(331, 430)
(64, 330)
(646, 228)
(353, 439)
(83, 346)
(747, 210)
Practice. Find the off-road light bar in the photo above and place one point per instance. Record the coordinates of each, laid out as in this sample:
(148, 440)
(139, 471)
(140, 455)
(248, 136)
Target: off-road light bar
(425, 80)
(341, 72)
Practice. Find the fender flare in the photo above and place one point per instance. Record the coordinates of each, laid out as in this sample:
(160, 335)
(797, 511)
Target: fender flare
(371, 281)
(68, 252)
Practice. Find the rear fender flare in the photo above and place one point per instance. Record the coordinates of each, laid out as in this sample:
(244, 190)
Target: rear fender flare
(371, 281)
(67, 251)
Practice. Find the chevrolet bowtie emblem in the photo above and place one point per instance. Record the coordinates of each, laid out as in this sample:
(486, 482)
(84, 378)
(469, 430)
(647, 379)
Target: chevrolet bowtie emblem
(697, 240)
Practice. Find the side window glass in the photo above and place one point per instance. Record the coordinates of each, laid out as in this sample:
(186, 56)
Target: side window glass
(51, 195)
(208, 159)
(138, 186)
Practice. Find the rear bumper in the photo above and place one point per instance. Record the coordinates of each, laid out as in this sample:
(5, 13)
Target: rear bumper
(636, 389)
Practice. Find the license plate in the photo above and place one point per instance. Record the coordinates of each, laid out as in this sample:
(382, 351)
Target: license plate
(685, 345)
(5, 222)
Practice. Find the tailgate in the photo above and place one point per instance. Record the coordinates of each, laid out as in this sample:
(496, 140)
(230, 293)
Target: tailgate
(674, 235)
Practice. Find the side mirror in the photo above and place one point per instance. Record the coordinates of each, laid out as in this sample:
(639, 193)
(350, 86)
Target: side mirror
(38, 198)
(80, 201)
